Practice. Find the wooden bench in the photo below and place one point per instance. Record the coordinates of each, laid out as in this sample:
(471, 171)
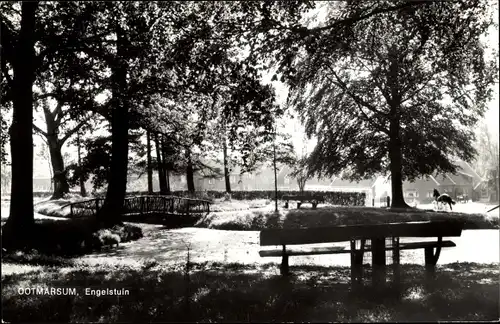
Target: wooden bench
(362, 238)
(314, 200)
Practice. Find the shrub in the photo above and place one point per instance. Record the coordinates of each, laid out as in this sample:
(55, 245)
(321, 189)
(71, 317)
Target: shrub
(105, 237)
(241, 221)
(77, 236)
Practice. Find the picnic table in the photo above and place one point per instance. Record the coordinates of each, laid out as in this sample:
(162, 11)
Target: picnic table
(376, 239)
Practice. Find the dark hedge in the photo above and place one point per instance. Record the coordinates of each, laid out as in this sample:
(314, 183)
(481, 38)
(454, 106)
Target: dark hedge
(334, 198)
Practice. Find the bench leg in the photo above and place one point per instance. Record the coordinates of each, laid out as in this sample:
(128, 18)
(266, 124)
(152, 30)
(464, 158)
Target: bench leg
(396, 268)
(286, 204)
(378, 261)
(284, 269)
(431, 257)
(314, 205)
(298, 205)
(356, 263)
(430, 260)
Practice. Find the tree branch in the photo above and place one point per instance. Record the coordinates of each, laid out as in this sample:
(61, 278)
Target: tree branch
(357, 99)
(371, 121)
(377, 83)
(366, 117)
(39, 131)
(57, 113)
(74, 130)
(352, 20)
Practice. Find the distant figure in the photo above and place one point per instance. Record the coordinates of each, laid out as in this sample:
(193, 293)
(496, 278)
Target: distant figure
(444, 199)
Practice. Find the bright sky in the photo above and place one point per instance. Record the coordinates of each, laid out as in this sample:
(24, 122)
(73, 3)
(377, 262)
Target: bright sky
(294, 127)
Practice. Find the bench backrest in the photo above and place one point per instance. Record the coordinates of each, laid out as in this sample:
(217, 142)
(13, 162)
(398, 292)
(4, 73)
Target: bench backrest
(349, 232)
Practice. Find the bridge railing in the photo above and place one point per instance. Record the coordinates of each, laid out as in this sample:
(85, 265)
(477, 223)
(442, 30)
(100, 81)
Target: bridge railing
(84, 208)
(143, 205)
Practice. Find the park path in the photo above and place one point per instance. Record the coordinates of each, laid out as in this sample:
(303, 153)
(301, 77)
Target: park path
(170, 247)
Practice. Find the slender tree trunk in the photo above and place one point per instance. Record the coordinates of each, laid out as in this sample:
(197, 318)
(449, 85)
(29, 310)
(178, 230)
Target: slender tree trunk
(189, 172)
(302, 184)
(167, 181)
(161, 171)
(149, 167)
(275, 174)
(110, 213)
(17, 230)
(165, 164)
(497, 184)
(83, 191)
(226, 167)
(47, 157)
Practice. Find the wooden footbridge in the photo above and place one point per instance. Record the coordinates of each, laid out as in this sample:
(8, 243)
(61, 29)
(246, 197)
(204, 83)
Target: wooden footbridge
(141, 207)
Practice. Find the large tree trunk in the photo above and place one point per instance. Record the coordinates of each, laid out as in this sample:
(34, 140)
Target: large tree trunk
(395, 144)
(226, 168)
(189, 172)
(61, 186)
(149, 167)
(161, 170)
(20, 223)
(111, 211)
(83, 191)
(395, 157)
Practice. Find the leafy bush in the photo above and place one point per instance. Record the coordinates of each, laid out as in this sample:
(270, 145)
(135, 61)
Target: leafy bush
(104, 237)
(77, 236)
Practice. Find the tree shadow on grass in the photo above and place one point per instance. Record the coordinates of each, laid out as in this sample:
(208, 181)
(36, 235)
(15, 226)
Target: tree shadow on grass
(252, 293)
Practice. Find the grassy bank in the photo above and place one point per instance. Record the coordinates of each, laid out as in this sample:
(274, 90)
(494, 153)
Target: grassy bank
(218, 293)
(259, 214)
(332, 216)
(53, 207)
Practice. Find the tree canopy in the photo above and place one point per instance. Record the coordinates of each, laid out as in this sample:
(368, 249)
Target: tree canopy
(397, 92)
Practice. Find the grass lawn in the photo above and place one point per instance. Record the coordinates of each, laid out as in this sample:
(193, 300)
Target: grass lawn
(251, 293)
(331, 216)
